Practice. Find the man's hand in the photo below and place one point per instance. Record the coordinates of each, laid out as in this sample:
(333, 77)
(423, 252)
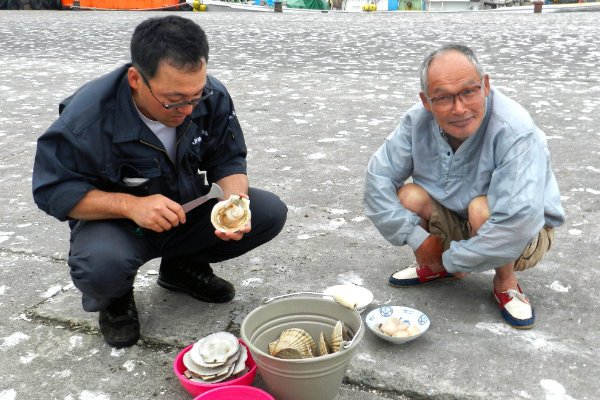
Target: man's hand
(237, 235)
(430, 252)
(156, 212)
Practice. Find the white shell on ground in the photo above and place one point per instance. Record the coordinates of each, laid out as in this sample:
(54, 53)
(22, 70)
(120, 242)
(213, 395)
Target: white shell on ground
(347, 295)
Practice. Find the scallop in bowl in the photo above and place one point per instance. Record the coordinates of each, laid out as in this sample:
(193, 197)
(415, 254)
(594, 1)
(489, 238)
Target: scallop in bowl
(397, 324)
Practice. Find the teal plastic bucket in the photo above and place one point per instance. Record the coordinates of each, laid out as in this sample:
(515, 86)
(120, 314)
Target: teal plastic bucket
(304, 379)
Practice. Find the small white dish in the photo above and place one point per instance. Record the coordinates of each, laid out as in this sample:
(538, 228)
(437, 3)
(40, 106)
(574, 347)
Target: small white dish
(361, 295)
(407, 315)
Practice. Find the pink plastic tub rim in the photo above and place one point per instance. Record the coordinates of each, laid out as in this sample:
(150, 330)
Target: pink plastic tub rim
(235, 392)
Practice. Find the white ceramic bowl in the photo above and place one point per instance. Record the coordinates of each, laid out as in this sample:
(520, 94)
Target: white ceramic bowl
(407, 315)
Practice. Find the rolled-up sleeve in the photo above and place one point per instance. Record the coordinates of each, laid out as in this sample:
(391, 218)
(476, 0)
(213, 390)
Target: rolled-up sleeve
(228, 155)
(56, 183)
(516, 202)
(387, 171)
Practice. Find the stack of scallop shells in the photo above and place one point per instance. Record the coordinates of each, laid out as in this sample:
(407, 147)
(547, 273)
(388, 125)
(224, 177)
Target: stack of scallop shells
(296, 343)
(215, 358)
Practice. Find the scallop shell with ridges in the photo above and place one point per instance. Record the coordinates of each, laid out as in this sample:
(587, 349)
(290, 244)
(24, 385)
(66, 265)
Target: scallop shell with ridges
(293, 342)
(232, 214)
(291, 353)
(337, 337)
(323, 345)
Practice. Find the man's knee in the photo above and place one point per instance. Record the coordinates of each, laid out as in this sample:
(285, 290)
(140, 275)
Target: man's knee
(269, 213)
(479, 212)
(102, 270)
(414, 198)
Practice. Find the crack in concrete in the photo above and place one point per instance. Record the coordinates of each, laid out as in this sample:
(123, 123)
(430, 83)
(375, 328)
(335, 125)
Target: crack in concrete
(386, 394)
(360, 386)
(146, 342)
(29, 255)
(154, 344)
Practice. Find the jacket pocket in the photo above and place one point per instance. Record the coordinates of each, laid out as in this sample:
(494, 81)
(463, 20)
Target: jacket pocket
(135, 176)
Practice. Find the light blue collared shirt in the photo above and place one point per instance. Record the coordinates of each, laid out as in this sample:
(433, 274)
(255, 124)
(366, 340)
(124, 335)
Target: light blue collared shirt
(507, 160)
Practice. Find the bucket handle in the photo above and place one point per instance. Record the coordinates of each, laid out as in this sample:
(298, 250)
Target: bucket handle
(348, 343)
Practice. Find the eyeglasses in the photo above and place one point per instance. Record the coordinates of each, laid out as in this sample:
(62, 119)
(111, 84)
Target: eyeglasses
(467, 96)
(192, 102)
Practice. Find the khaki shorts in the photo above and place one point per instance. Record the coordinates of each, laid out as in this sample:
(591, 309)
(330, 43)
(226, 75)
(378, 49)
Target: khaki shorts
(452, 227)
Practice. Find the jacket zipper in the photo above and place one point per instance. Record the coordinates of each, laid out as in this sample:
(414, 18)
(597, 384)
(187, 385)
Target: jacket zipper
(161, 150)
(187, 128)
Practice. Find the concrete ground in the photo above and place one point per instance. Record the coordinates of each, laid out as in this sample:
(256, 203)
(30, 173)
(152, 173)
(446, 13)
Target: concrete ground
(316, 95)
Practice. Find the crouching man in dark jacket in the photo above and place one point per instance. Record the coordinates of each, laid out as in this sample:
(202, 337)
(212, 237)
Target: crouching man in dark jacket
(131, 147)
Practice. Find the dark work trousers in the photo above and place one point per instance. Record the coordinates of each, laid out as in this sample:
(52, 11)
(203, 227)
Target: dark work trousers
(105, 255)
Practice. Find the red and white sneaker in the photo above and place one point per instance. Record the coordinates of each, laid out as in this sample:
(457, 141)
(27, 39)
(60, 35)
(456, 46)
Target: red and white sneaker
(515, 308)
(418, 275)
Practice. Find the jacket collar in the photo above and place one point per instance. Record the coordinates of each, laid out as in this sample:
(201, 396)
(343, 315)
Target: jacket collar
(128, 124)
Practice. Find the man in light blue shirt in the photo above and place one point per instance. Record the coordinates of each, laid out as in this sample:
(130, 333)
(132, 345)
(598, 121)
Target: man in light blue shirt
(483, 195)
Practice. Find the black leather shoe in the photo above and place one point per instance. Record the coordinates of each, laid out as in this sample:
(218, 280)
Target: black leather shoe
(195, 279)
(119, 322)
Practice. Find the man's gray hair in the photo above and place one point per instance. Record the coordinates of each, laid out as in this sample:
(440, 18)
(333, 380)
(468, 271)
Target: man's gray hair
(466, 51)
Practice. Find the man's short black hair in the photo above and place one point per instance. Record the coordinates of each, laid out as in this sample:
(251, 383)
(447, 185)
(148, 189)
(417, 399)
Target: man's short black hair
(177, 40)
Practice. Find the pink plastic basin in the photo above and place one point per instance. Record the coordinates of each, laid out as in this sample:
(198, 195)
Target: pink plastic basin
(235, 393)
(197, 388)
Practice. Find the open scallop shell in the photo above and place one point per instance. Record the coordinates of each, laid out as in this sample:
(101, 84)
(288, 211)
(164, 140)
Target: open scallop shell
(293, 343)
(214, 349)
(232, 214)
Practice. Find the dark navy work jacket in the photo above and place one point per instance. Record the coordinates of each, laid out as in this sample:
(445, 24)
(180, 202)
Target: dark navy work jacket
(100, 142)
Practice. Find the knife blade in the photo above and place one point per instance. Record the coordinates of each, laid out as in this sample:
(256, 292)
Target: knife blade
(214, 192)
